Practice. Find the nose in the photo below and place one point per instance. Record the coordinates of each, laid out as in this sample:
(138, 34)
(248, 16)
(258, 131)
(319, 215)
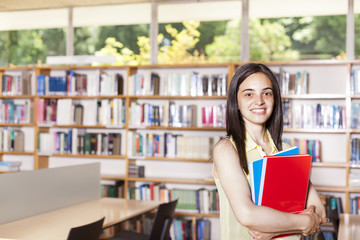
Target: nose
(259, 100)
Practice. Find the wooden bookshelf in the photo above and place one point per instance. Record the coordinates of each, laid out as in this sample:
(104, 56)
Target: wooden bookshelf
(16, 96)
(180, 128)
(324, 131)
(19, 94)
(17, 124)
(320, 69)
(81, 97)
(177, 97)
(173, 180)
(172, 159)
(88, 156)
(330, 165)
(16, 153)
(315, 96)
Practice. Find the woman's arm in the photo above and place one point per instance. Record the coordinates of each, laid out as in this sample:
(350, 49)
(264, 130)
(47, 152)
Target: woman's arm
(257, 218)
(314, 199)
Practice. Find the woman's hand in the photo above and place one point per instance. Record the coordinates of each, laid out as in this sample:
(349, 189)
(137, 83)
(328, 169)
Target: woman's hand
(315, 221)
(260, 235)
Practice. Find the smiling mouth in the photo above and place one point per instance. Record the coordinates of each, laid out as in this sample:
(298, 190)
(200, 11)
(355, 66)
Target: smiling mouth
(258, 110)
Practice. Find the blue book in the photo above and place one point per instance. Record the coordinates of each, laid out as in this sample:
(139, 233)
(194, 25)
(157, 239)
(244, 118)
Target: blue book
(40, 84)
(255, 169)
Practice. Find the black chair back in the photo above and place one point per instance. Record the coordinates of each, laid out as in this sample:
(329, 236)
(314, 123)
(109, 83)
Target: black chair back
(91, 231)
(163, 220)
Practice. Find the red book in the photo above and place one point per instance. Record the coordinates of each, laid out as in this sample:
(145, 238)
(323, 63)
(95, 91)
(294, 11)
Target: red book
(285, 181)
(40, 110)
(204, 123)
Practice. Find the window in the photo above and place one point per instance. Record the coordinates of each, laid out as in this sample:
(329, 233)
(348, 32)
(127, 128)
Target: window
(203, 32)
(282, 34)
(21, 46)
(357, 28)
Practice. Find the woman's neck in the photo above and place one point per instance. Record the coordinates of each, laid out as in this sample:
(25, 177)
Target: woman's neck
(258, 134)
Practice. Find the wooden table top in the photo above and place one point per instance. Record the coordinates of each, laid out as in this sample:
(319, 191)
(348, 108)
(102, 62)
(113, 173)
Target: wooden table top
(349, 228)
(57, 224)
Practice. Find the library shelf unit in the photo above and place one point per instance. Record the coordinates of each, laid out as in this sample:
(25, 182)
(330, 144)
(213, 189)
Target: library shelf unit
(329, 84)
(17, 88)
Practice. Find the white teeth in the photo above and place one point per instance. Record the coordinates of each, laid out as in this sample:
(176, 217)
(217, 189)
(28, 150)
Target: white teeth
(258, 110)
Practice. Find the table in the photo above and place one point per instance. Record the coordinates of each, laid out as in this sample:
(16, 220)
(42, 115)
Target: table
(349, 227)
(57, 224)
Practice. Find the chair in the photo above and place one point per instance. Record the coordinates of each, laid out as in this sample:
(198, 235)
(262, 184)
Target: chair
(161, 226)
(89, 231)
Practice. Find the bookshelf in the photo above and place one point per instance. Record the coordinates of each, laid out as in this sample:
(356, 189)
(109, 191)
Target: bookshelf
(17, 100)
(329, 84)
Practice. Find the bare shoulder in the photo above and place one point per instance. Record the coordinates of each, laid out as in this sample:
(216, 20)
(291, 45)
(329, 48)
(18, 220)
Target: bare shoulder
(223, 145)
(224, 148)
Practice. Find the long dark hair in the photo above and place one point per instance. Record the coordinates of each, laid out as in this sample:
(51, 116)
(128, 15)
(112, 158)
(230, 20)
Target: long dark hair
(235, 125)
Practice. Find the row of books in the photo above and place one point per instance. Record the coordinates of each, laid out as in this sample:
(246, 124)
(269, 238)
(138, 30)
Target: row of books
(144, 84)
(313, 115)
(72, 83)
(293, 83)
(307, 146)
(136, 171)
(355, 113)
(192, 201)
(214, 116)
(333, 207)
(12, 140)
(354, 178)
(177, 84)
(108, 112)
(355, 151)
(78, 141)
(175, 115)
(183, 229)
(114, 189)
(146, 114)
(16, 111)
(111, 84)
(13, 166)
(13, 85)
(170, 114)
(354, 205)
(170, 145)
(355, 81)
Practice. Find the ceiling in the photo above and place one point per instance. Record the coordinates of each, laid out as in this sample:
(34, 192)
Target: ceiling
(37, 14)
(17, 5)
(264, 6)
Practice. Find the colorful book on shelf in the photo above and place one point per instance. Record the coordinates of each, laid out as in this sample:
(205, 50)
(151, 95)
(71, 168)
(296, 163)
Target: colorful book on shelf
(285, 181)
(255, 170)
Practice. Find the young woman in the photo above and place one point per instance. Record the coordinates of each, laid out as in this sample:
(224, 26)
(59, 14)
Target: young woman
(254, 124)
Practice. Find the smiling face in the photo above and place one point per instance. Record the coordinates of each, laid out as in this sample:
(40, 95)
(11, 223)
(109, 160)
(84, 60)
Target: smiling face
(256, 99)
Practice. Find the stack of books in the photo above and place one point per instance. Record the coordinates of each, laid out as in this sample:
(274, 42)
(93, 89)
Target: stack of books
(136, 171)
(281, 181)
(10, 166)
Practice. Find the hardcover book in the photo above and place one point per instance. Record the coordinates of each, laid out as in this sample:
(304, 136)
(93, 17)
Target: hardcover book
(255, 171)
(284, 182)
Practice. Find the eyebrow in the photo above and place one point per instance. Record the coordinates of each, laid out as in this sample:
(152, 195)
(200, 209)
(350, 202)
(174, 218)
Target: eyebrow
(250, 89)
